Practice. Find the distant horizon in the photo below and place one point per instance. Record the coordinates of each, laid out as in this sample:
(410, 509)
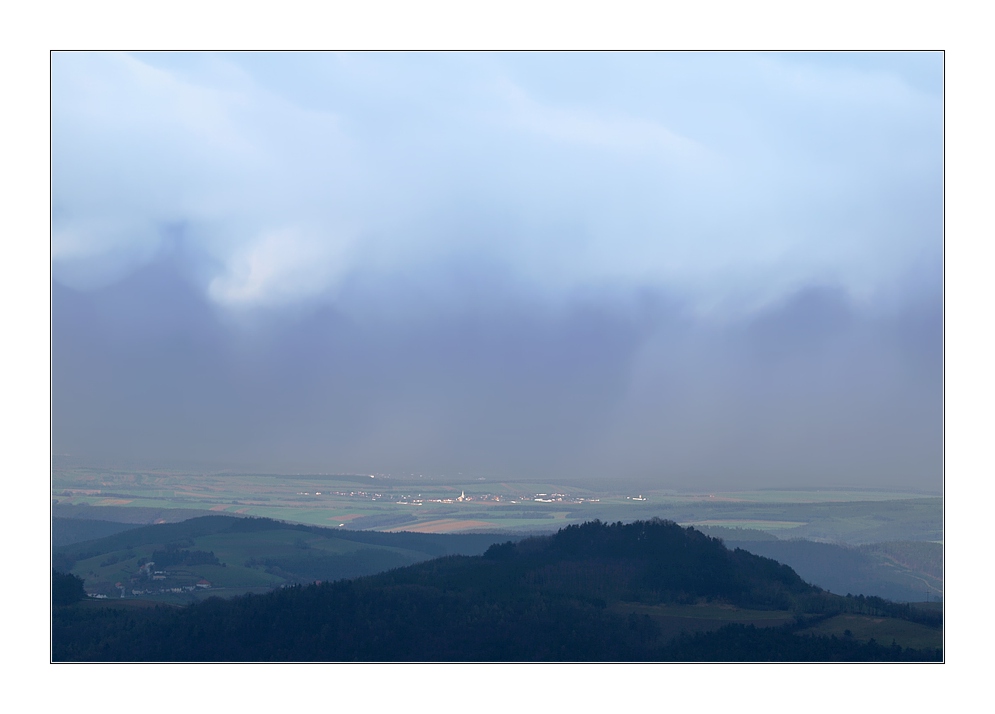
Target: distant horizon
(192, 468)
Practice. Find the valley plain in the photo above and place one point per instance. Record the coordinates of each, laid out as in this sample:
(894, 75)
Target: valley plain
(439, 504)
(879, 543)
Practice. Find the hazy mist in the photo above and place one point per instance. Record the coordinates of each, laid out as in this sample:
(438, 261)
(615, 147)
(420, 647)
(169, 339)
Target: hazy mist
(681, 269)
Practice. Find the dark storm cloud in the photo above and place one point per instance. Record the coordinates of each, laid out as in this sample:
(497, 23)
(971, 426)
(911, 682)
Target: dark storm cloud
(680, 268)
(809, 391)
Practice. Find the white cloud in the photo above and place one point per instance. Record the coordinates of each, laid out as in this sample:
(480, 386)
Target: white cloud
(597, 129)
(138, 151)
(729, 179)
(280, 267)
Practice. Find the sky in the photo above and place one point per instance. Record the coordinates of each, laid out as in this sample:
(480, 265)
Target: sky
(685, 270)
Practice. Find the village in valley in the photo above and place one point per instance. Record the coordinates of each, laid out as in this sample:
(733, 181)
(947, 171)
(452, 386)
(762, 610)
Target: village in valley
(417, 500)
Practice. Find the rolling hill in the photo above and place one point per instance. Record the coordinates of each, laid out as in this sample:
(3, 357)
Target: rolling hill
(904, 571)
(225, 555)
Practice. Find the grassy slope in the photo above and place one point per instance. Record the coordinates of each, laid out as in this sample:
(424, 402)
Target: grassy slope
(255, 554)
(884, 630)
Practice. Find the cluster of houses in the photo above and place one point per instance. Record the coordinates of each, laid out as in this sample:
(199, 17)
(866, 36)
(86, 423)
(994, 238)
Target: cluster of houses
(496, 498)
(202, 584)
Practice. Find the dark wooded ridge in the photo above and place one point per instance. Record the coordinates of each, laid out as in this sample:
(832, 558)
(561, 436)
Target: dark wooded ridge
(582, 594)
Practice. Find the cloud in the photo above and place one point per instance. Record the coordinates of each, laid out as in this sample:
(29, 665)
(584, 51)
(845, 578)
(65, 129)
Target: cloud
(732, 178)
(589, 128)
(679, 267)
(811, 391)
(141, 155)
(281, 266)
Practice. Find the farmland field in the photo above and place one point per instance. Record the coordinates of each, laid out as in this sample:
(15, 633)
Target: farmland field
(675, 619)
(380, 502)
(751, 524)
(882, 629)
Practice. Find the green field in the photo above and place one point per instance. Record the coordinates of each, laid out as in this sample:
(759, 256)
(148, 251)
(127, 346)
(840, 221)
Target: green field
(674, 619)
(236, 556)
(818, 496)
(767, 526)
(883, 629)
(708, 612)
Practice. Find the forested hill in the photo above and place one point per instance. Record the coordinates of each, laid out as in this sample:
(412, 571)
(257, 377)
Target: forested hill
(594, 592)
